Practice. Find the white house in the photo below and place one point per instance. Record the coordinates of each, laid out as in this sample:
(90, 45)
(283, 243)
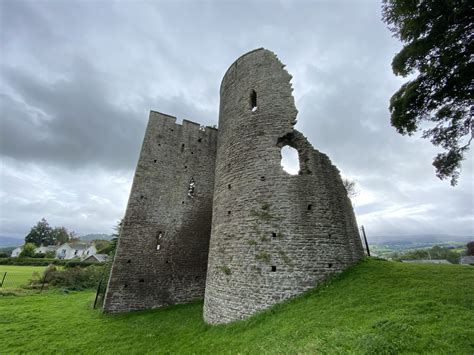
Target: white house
(75, 251)
(16, 252)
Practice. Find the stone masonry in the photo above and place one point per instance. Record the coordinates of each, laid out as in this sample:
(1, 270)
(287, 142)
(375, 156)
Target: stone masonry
(162, 252)
(273, 235)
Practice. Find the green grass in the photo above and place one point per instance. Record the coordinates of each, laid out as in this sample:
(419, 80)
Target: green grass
(376, 307)
(18, 276)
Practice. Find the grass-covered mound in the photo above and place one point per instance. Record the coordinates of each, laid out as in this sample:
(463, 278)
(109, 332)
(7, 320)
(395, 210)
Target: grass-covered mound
(375, 307)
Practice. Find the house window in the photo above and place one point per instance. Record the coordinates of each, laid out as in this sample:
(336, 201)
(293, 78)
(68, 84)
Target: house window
(75, 252)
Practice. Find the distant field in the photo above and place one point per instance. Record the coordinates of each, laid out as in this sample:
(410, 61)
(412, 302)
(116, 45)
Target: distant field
(18, 276)
(376, 307)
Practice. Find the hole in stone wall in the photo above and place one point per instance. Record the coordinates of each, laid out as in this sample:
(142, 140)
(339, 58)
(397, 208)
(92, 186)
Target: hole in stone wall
(290, 160)
(125, 286)
(274, 268)
(229, 186)
(182, 148)
(129, 261)
(182, 202)
(167, 261)
(192, 186)
(274, 235)
(253, 101)
(200, 140)
(309, 207)
(154, 161)
(141, 280)
(228, 212)
(329, 235)
(192, 152)
(330, 265)
(262, 178)
(185, 166)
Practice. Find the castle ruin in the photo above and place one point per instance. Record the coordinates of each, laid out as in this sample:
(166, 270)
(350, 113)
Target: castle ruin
(213, 214)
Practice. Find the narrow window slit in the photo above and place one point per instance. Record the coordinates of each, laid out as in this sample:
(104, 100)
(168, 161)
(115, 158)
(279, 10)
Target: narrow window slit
(274, 268)
(191, 188)
(274, 235)
(330, 265)
(253, 101)
(309, 207)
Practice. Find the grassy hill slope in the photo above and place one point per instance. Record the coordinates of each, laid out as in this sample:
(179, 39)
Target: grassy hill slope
(375, 307)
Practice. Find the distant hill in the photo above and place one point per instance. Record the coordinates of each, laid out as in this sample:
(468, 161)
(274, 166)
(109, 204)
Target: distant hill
(10, 242)
(90, 237)
(418, 239)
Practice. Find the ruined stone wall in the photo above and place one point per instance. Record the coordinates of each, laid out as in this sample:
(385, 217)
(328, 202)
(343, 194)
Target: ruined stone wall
(160, 212)
(273, 235)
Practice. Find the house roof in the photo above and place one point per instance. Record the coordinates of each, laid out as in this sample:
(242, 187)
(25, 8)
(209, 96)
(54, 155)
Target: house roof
(77, 246)
(49, 247)
(101, 258)
(467, 260)
(427, 261)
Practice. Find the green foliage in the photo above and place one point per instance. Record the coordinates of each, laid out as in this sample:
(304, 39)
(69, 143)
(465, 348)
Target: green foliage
(438, 37)
(377, 307)
(50, 254)
(263, 256)
(436, 252)
(103, 246)
(75, 278)
(41, 234)
(4, 255)
(60, 235)
(28, 251)
(42, 262)
(470, 248)
(225, 269)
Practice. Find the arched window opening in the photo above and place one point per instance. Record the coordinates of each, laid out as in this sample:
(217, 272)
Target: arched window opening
(253, 101)
(290, 160)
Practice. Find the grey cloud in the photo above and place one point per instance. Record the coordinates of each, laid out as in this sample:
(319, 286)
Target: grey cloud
(79, 78)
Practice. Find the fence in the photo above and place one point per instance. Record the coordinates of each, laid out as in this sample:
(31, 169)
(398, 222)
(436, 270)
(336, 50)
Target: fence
(36, 279)
(12, 280)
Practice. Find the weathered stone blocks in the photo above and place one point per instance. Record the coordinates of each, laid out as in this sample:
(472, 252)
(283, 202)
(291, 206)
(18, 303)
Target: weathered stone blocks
(273, 235)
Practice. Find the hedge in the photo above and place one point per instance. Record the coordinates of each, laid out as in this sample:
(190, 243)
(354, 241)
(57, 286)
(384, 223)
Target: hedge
(43, 262)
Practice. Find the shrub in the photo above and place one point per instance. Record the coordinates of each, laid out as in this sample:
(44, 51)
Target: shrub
(28, 251)
(42, 262)
(75, 278)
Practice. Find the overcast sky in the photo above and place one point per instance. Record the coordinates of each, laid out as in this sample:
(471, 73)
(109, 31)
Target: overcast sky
(78, 79)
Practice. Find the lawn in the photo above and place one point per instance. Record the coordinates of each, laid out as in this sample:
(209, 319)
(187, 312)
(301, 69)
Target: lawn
(376, 307)
(18, 276)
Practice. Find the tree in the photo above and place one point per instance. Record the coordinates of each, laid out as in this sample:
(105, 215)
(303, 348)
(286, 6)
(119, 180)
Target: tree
(60, 235)
(350, 187)
(41, 234)
(438, 38)
(28, 251)
(470, 248)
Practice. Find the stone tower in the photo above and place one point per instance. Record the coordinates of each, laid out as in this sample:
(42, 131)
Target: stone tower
(218, 203)
(161, 256)
(274, 235)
